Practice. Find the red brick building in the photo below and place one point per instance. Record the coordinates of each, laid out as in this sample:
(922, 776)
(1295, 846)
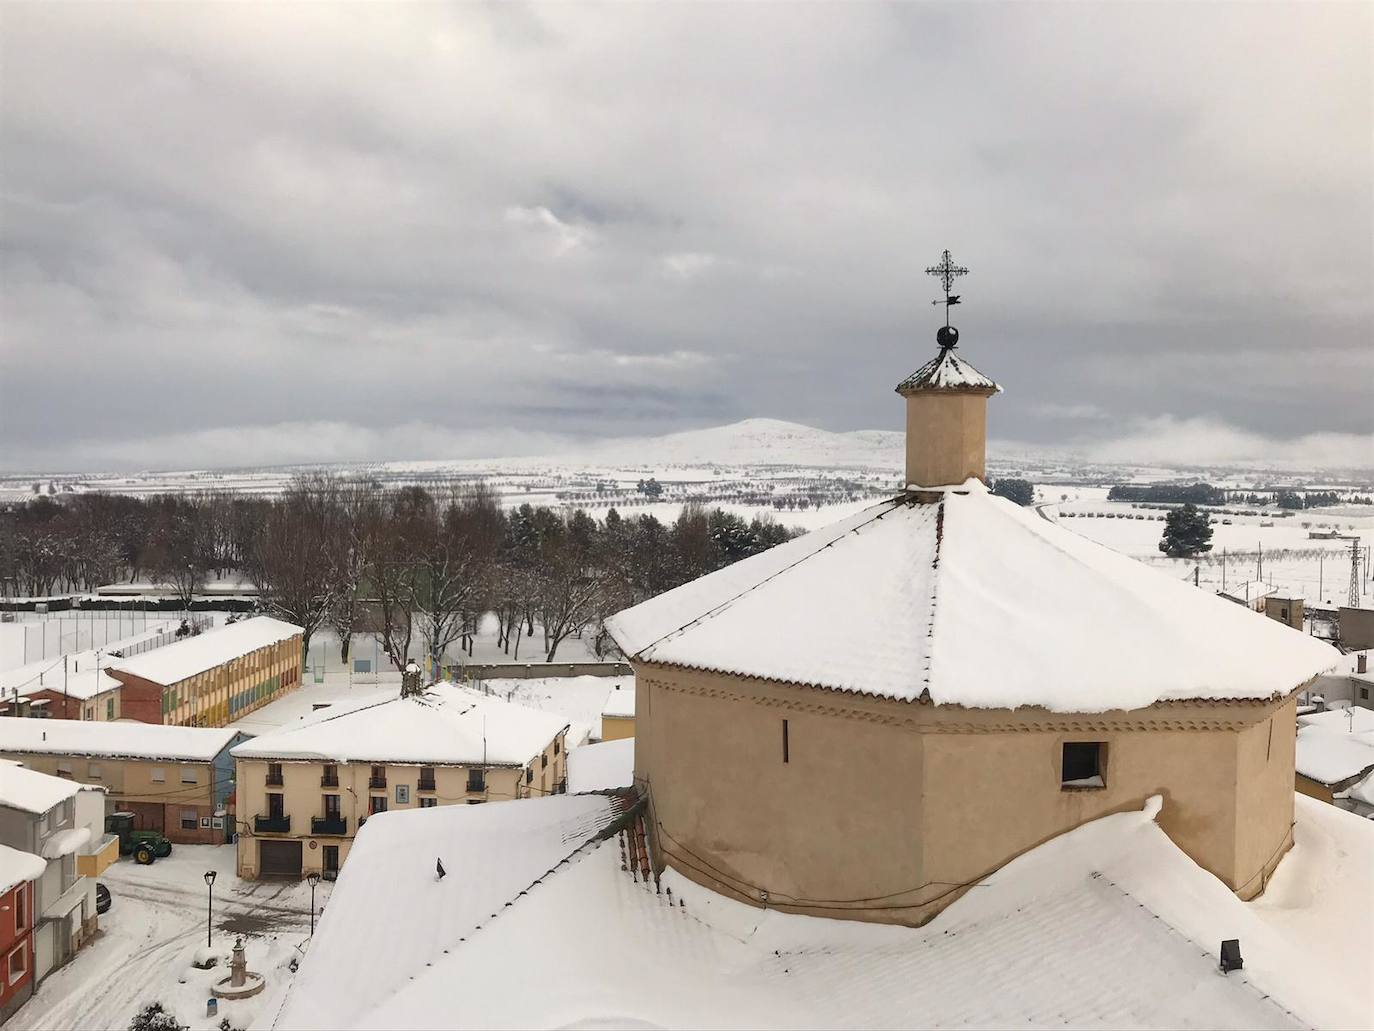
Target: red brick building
(18, 872)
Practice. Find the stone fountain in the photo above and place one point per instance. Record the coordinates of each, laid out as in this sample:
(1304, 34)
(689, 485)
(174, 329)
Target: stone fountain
(241, 982)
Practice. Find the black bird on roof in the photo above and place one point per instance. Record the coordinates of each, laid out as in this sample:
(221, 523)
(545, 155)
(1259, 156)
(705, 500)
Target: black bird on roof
(439, 868)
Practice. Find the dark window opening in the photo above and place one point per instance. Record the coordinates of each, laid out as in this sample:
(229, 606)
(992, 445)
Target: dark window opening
(1083, 764)
(276, 806)
(786, 744)
(477, 780)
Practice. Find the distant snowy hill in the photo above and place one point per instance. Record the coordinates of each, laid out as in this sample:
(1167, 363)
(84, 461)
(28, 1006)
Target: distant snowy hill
(755, 442)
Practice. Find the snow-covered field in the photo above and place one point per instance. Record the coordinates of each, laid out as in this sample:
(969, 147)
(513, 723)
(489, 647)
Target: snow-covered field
(155, 929)
(1317, 570)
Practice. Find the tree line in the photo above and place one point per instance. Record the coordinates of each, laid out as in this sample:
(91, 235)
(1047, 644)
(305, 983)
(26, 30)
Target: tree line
(419, 567)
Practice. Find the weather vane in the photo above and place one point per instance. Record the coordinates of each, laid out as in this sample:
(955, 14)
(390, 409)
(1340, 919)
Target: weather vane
(947, 336)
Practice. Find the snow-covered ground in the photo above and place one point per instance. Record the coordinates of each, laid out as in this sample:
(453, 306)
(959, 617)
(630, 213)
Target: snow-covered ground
(157, 926)
(580, 700)
(1317, 570)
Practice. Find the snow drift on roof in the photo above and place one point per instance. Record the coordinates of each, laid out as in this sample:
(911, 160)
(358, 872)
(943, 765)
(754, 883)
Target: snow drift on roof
(391, 916)
(17, 866)
(176, 662)
(116, 740)
(602, 767)
(1110, 925)
(1335, 745)
(978, 601)
(31, 791)
(65, 842)
(947, 371)
(447, 725)
(620, 702)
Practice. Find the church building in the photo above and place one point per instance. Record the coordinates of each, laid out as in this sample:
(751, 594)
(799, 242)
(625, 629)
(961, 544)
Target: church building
(865, 721)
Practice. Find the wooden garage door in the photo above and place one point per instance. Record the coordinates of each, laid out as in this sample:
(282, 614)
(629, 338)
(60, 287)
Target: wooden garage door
(279, 858)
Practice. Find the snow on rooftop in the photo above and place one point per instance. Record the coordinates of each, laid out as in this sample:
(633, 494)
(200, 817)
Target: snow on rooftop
(31, 791)
(1110, 925)
(17, 867)
(447, 725)
(947, 371)
(602, 767)
(115, 740)
(391, 916)
(620, 701)
(65, 842)
(977, 601)
(576, 699)
(1335, 745)
(176, 662)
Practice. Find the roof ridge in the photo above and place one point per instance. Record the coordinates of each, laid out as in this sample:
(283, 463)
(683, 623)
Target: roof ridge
(892, 505)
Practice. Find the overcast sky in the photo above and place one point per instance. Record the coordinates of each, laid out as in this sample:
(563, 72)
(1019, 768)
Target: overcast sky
(235, 234)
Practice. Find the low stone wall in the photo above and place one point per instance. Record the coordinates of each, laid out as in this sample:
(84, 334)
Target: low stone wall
(532, 670)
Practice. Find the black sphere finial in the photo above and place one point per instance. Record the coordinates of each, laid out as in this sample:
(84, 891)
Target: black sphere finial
(947, 337)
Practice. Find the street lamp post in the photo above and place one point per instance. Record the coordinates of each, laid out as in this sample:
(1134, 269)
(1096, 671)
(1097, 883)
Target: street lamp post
(313, 879)
(209, 904)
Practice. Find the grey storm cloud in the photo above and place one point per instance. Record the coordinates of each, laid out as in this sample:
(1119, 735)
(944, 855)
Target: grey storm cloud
(515, 223)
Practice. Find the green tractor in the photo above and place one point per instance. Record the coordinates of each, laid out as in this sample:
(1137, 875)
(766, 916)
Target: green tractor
(144, 846)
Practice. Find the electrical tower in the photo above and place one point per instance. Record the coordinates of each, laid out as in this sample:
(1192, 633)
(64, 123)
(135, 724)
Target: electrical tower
(1355, 572)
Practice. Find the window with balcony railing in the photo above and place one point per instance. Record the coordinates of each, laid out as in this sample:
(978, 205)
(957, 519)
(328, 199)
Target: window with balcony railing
(426, 778)
(330, 777)
(477, 780)
(378, 778)
(274, 776)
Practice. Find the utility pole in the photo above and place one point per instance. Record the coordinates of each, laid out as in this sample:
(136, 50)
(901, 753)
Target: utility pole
(1223, 569)
(1321, 557)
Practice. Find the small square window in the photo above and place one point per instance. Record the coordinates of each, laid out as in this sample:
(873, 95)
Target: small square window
(93, 771)
(428, 802)
(19, 962)
(189, 820)
(159, 775)
(1083, 764)
(188, 774)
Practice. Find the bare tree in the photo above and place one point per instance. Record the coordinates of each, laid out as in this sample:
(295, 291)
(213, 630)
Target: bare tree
(358, 507)
(456, 545)
(290, 561)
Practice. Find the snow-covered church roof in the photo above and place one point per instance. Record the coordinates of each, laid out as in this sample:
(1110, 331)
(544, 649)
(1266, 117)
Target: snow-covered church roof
(947, 371)
(969, 600)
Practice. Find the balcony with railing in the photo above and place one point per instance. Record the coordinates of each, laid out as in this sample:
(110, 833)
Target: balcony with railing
(376, 781)
(274, 778)
(329, 825)
(329, 780)
(477, 785)
(426, 784)
(272, 824)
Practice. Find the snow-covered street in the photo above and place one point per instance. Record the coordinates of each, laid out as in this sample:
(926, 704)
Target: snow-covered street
(153, 931)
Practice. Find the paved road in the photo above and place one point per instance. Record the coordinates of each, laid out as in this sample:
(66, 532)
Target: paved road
(151, 933)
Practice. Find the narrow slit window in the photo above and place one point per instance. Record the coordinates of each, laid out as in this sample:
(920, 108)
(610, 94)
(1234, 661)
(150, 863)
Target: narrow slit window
(786, 743)
(1083, 764)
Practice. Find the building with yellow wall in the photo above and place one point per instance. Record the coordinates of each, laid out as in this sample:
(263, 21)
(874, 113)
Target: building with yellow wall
(305, 790)
(214, 678)
(618, 713)
(175, 780)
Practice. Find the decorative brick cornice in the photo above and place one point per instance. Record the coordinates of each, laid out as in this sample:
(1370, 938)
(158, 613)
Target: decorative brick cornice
(1182, 715)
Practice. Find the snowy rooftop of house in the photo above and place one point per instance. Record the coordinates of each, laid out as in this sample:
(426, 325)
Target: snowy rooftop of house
(17, 866)
(116, 740)
(446, 726)
(1335, 745)
(46, 675)
(1110, 925)
(391, 894)
(947, 371)
(973, 601)
(620, 702)
(31, 791)
(186, 658)
(602, 767)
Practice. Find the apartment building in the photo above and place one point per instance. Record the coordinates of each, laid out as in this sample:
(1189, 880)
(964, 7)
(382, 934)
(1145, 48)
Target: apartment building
(305, 790)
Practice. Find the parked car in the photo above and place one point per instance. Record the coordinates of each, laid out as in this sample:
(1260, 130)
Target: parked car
(102, 898)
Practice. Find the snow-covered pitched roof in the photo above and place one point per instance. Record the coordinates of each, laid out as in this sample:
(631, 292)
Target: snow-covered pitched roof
(17, 867)
(447, 725)
(1110, 925)
(31, 791)
(117, 740)
(186, 658)
(947, 371)
(83, 679)
(389, 892)
(978, 602)
(604, 766)
(620, 702)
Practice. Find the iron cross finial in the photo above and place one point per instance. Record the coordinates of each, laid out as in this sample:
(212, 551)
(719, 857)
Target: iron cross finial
(948, 272)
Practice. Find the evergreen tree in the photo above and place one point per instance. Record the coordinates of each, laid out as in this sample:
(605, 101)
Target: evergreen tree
(1187, 531)
(1020, 491)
